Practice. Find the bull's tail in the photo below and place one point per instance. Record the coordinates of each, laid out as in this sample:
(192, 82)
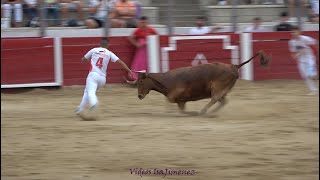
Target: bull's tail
(263, 59)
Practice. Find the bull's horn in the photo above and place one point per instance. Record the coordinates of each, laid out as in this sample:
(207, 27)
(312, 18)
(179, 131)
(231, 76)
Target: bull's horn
(130, 82)
(142, 71)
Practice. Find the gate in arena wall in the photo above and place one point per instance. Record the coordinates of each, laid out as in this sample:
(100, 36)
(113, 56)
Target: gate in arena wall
(194, 50)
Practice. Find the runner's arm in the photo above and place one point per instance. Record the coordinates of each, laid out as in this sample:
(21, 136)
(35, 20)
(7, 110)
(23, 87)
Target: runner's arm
(124, 66)
(87, 56)
(83, 59)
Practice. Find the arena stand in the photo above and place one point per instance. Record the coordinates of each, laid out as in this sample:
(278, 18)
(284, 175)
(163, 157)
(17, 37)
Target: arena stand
(34, 62)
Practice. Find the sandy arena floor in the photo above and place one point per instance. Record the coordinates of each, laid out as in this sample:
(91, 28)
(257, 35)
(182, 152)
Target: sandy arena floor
(269, 130)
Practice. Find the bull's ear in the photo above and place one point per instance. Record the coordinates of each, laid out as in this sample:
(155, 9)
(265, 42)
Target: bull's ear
(142, 75)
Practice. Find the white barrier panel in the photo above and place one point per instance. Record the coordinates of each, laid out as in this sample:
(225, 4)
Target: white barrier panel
(246, 54)
(58, 64)
(153, 54)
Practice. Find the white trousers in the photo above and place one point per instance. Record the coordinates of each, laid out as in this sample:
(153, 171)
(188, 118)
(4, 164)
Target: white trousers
(7, 9)
(307, 69)
(94, 82)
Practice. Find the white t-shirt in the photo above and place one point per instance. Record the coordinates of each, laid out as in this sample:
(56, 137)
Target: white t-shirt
(199, 30)
(31, 2)
(101, 11)
(254, 29)
(99, 60)
(302, 45)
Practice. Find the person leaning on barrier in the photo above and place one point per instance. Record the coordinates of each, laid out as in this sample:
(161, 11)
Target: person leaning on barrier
(200, 27)
(98, 14)
(123, 15)
(256, 26)
(138, 38)
(284, 25)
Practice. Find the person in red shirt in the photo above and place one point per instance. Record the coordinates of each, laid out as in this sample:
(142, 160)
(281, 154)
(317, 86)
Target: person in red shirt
(139, 38)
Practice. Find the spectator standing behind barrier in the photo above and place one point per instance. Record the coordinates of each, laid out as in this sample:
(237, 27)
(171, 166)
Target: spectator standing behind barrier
(200, 28)
(139, 38)
(98, 10)
(256, 26)
(12, 5)
(31, 8)
(123, 14)
(283, 25)
(299, 47)
(71, 5)
(52, 9)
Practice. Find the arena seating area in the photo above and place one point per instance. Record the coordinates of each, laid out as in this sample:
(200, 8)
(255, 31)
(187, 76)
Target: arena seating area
(185, 12)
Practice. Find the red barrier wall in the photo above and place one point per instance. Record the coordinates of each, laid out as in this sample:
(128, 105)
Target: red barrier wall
(27, 60)
(75, 72)
(31, 60)
(282, 66)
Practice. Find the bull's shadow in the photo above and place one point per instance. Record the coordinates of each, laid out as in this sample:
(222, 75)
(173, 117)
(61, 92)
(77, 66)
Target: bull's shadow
(171, 114)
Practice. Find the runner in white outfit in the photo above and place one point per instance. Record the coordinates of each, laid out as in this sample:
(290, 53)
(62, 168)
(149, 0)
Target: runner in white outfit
(299, 46)
(99, 59)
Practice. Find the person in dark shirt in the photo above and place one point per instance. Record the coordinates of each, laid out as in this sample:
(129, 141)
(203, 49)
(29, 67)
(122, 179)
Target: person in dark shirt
(283, 25)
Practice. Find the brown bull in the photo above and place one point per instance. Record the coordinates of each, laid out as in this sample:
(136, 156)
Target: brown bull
(185, 84)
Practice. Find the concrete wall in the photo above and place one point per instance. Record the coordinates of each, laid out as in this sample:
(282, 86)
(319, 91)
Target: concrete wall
(80, 32)
(245, 13)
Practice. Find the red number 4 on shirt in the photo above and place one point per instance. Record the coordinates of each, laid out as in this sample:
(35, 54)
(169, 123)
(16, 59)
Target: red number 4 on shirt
(99, 62)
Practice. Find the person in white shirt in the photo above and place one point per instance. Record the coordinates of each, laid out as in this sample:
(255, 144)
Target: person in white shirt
(99, 59)
(200, 29)
(98, 10)
(7, 6)
(256, 26)
(299, 46)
